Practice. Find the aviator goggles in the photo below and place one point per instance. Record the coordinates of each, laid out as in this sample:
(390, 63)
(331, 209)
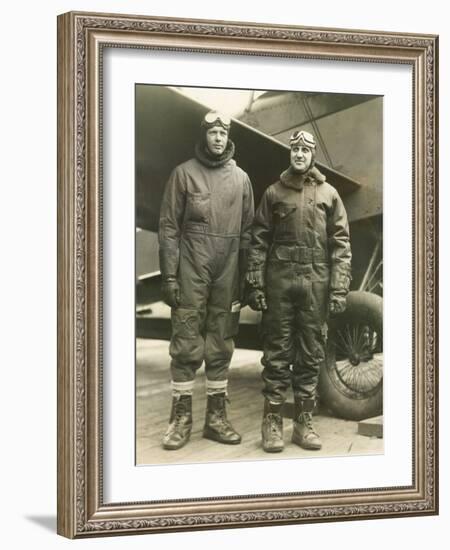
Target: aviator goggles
(214, 117)
(300, 137)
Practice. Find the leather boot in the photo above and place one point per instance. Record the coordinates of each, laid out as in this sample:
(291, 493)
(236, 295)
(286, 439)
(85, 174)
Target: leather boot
(217, 426)
(272, 427)
(180, 423)
(304, 434)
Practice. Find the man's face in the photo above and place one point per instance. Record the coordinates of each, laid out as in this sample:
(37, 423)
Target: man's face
(301, 157)
(216, 140)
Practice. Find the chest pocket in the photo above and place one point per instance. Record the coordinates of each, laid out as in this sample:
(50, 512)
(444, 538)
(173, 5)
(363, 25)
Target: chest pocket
(198, 207)
(284, 221)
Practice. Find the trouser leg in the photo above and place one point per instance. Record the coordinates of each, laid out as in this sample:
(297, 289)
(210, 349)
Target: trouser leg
(219, 343)
(311, 344)
(222, 318)
(186, 350)
(309, 357)
(218, 352)
(310, 354)
(187, 345)
(221, 326)
(278, 334)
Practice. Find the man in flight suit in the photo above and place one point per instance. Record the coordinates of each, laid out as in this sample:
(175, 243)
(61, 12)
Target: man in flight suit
(299, 269)
(204, 233)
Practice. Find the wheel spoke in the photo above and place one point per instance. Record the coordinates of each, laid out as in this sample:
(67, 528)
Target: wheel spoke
(347, 348)
(347, 328)
(363, 377)
(360, 336)
(343, 350)
(356, 339)
(355, 359)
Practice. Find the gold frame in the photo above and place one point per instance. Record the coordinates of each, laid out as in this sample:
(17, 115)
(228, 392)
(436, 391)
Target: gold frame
(81, 37)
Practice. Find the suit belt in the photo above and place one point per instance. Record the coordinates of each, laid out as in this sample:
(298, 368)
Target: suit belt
(299, 254)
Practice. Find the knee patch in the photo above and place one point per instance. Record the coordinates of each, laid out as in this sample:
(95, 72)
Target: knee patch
(185, 323)
(186, 344)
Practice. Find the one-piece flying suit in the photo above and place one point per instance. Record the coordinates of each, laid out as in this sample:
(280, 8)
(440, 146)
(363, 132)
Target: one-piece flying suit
(300, 240)
(205, 219)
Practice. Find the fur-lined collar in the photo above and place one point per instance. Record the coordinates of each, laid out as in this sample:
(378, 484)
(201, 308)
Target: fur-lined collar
(293, 179)
(212, 161)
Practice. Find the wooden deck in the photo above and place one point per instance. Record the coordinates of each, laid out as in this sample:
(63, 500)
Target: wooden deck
(153, 400)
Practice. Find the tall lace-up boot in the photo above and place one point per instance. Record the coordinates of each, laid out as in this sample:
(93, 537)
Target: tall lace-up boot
(304, 433)
(272, 427)
(217, 426)
(180, 423)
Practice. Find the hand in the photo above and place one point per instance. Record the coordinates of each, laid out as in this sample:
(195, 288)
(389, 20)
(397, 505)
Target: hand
(337, 305)
(255, 278)
(257, 300)
(170, 290)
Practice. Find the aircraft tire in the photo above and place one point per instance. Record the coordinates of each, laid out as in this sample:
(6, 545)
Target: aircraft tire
(351, 378)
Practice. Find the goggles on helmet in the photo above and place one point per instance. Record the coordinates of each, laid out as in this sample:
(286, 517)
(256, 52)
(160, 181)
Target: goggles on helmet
(300, 137)
(214, 117)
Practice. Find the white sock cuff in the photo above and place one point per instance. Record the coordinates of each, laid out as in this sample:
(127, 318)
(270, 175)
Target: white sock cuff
(182, 388)
(216, 386)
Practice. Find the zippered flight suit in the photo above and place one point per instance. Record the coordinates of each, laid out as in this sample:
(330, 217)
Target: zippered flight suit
(300, 240)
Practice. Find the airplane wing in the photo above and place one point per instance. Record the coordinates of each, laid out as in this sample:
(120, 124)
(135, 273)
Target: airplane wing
(167, 128)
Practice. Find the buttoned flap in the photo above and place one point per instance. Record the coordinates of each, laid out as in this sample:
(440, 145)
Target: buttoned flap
(198, 207)
(283, 210)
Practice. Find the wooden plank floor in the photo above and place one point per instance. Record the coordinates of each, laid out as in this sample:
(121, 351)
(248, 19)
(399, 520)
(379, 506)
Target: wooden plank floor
(153, 400)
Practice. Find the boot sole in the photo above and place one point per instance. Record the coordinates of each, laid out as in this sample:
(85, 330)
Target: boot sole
(307, 446)
(213, 437)
(273, 450)
(173, 448)
(169, 447)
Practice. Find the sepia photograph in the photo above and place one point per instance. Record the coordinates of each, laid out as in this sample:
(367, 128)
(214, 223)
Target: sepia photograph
(259, 274)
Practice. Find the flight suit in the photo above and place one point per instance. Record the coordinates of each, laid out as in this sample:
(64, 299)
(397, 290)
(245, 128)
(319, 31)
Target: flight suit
(300, 241)
(205, 220)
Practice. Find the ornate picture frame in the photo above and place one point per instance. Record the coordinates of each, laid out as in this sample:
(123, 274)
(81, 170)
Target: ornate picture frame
(82, 508)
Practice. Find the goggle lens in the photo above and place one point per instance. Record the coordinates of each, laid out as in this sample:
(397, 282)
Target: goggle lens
(212, 117)
(300, 136)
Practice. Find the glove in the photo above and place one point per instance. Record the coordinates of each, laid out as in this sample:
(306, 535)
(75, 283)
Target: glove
(337, 305)
(170, 290)
(255, 278)
(257, 300)
(339, 287)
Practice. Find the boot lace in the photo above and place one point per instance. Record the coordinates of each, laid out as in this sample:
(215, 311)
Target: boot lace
(180, 412)
(274, 422)
(308, 422)
(221, 415)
